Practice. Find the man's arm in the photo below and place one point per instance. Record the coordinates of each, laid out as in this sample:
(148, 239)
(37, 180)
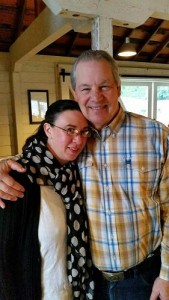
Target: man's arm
(161, 284)
(9, 188)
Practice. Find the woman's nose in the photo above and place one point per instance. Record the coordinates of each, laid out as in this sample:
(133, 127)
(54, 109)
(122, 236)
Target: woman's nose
(78, 139)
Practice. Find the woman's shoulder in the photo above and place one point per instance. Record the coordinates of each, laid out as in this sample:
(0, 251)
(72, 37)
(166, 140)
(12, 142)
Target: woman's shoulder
(21, 178)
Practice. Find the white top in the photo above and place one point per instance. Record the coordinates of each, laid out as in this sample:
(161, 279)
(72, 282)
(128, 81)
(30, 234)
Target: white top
(53, 246)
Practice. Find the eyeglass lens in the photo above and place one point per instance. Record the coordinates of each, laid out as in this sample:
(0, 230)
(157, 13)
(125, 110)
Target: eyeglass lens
(74, 132)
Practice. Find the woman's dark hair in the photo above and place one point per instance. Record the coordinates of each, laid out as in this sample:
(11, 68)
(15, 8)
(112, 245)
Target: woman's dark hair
(51, 115)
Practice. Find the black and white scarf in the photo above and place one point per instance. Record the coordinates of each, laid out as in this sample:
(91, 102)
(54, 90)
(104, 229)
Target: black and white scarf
(44, 169)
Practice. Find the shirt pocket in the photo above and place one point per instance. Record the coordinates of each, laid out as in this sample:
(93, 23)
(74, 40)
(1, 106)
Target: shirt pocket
(91, 178)
(142, 173)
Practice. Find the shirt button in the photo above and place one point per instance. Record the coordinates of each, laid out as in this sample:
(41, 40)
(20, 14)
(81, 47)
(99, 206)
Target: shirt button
(108, 212)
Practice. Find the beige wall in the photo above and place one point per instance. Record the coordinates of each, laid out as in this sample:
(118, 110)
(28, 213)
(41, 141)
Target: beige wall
(40, 72)
(6, 120)
(33, 75)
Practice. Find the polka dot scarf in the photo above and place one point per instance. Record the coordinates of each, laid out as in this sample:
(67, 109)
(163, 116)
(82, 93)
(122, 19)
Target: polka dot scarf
(43, 168)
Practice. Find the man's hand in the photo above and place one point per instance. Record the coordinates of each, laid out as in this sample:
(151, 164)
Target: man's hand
(9, 188)
(160, 290)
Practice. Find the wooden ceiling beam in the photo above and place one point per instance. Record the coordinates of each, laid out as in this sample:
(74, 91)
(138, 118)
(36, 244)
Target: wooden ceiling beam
(20, 18)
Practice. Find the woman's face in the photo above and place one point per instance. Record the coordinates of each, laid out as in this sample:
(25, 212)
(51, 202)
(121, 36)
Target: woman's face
(63, 146)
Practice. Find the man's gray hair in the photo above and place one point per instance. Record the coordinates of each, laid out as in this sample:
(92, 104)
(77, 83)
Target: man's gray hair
(95, 55)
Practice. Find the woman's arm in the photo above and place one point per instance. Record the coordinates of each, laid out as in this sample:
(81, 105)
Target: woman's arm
(9, 188)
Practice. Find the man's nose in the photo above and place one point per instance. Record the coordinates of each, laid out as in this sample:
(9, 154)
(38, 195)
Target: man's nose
(96, 94)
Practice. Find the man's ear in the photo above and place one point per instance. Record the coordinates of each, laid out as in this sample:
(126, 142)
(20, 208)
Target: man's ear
(119, 90)
(74, 96)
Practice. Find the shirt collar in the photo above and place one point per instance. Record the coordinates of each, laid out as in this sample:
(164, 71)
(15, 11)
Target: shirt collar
(115, 125)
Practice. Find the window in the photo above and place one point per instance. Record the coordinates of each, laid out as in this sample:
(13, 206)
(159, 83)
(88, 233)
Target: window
(148, 97)
(161, 108)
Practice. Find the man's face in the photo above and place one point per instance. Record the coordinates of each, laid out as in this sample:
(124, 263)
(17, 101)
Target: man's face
(96, 92)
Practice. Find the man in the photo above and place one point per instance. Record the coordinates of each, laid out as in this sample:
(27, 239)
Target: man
(125, 174)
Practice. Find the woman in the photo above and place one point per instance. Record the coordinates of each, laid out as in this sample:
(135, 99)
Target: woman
(35, 262)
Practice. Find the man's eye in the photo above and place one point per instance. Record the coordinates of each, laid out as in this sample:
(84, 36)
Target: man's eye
(85, 90)
(105, 87)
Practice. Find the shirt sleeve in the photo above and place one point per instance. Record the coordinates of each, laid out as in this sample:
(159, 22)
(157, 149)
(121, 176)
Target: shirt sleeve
(164, 202)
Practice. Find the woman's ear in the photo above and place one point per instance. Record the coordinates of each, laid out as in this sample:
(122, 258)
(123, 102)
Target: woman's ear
(47, 129)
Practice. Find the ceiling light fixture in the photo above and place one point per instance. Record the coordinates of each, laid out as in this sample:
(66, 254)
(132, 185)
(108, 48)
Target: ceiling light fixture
(127, 49)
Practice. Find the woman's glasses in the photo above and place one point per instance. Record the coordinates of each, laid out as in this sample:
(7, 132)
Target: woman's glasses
(74, 132)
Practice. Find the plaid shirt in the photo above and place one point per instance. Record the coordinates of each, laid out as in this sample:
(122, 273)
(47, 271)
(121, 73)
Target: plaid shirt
(125, 173)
